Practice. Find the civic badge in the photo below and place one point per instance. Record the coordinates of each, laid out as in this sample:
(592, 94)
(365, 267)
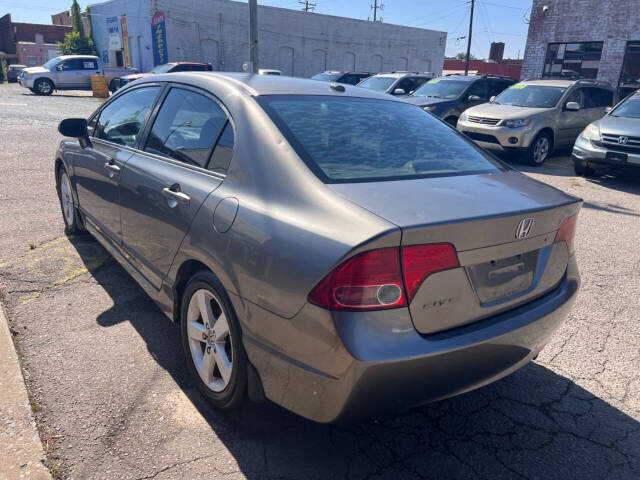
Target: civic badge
(524, 228)
(623, 140)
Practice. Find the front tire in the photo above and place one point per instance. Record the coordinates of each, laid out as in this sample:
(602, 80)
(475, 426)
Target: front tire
(583, 169)
(43, 86)
(72, 222)
(540, 149)
(453, 121)
(212, 342)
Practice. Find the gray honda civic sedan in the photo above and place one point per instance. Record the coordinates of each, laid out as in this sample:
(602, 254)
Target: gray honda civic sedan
(335, 250)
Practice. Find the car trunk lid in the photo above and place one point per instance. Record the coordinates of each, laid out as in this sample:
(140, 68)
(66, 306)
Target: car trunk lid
(502, 226)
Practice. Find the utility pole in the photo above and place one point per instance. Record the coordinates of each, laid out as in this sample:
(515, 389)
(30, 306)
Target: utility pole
(375, 7)
(308, 7)
(466, 64)
(253, 36)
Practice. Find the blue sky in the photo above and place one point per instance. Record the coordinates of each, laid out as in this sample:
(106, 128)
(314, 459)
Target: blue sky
(494, 20)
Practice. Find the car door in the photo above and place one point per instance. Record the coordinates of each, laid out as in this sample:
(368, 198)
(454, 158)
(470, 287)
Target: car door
(89, 67)
(479, 89)
(69, 73)
(571, 122)
(166, 181)
(98, 167)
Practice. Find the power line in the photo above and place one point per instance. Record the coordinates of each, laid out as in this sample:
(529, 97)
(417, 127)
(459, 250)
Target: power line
(308, 6)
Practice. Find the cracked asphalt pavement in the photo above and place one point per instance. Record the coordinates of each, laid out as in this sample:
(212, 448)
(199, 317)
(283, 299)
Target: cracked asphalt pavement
(105, 367)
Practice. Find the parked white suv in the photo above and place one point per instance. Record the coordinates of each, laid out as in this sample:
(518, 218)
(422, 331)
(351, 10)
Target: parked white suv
(68, 72)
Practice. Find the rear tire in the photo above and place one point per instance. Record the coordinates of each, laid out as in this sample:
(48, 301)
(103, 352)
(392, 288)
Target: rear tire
(212, 342)
(72, 222)
(540, 149)
(43, 86)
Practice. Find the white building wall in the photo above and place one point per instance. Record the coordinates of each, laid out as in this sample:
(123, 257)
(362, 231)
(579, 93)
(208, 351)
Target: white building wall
(298, 43)
(138, 14)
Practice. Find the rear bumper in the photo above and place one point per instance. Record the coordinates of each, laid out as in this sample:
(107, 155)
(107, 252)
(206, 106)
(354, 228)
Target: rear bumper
(376, 363)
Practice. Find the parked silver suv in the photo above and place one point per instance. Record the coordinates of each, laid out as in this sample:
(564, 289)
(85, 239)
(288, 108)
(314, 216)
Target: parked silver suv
(611, 142)
(536, 116)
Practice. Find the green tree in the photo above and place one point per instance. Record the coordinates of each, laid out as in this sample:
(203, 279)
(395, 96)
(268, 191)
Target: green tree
(463, 56)
(76, 44)
(76, 18)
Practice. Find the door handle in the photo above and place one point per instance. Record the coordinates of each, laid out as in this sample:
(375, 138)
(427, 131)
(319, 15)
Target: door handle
(175, 195)
(112, 167)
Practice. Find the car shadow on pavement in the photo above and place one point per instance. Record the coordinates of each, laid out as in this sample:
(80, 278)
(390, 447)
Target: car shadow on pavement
(534, 423)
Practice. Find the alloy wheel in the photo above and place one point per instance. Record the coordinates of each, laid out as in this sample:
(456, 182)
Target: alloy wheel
(541, 150)
(44, 87)
(210, 341)
(66, 199)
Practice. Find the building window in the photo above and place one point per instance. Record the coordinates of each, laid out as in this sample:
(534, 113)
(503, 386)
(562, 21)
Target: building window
(630, 76)
(570, 60)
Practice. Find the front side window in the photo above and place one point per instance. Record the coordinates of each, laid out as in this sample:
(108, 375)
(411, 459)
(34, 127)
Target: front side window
(350, 139)
(187, 127)
(73, 64)
(573, 60)
(478, 89)
(497, 86)
(534, 96)
(121, 121)
(578, 97)
(380, 84)
(630, 108)
(439, 88)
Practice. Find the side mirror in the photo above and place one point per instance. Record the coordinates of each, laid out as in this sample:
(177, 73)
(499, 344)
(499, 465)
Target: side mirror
(474, 98)
(399, 91)
(608, 109)
(492, 98)
(75, 128)
(572, 106)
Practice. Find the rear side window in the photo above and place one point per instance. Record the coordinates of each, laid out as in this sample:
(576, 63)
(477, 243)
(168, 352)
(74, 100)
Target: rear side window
(599, 97)
(121, 121)
(497, 86)
(348, 139)
(187, 127)
(223, 152)
(200, 68)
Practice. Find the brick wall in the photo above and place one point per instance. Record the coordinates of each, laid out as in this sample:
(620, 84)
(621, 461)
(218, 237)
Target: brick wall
(26, 32)
(613, 22)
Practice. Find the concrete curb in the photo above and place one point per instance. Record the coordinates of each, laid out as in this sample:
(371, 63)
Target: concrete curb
(21, 452)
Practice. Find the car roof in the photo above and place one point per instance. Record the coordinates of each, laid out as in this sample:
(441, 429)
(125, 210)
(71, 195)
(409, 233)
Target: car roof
(64, 57)
(464, 78)
(256, 85)
(550, 83)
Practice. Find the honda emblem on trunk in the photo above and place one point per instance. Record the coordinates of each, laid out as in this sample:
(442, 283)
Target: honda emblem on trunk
(524, 227)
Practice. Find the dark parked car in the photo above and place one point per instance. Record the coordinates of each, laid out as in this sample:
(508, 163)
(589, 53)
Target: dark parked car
(335, 250)
(13, 71)
(172, 67)
(447, 97)
(396, 83)
(348, 78)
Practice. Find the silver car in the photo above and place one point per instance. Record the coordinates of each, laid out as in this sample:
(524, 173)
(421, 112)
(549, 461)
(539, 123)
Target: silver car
(335, 250)
(613, 142)
(536, 116)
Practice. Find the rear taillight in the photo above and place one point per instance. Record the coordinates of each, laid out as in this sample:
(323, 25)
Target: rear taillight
(378, 279)
(420, 261)
(567, 233)
(370, 280)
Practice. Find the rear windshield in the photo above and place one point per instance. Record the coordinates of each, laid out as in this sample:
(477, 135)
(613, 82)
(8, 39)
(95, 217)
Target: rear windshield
(164, 68)
(349, 139)
(629, 108)
(380, 84)
(438, 88)
(327, 77)
(534, 96)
